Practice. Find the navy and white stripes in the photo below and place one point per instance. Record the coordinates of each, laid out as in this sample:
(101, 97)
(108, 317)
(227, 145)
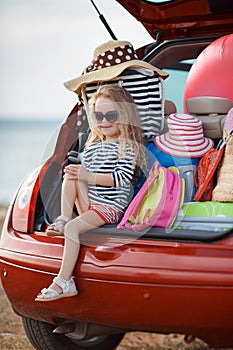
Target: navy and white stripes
(143, 85)
(105, 158)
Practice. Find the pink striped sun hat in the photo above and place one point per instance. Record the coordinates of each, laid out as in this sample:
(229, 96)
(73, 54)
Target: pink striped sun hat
(185, 137)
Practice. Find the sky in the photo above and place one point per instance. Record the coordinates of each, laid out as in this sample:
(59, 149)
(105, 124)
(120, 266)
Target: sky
(47, 42)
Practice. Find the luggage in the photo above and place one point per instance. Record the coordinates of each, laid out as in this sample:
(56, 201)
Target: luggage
(187, 173)
(209, 216)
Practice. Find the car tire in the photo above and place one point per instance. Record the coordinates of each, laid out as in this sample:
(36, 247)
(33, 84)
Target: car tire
(41, 337)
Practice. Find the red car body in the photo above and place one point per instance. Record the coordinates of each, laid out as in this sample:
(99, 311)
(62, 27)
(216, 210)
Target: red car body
(177, 282)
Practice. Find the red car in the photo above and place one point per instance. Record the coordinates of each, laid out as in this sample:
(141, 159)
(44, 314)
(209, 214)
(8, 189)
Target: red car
(163, 282)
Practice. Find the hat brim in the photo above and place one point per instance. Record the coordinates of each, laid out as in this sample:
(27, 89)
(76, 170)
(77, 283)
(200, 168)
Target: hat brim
(108, 73)
(181, 149)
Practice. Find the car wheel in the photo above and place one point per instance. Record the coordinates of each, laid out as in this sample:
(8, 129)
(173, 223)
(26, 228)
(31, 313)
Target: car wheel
(41, 337)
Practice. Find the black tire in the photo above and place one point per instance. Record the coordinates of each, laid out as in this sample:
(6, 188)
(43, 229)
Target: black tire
(41, 337)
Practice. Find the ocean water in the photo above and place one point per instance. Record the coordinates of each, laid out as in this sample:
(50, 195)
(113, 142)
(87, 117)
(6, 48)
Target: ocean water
(24, 144)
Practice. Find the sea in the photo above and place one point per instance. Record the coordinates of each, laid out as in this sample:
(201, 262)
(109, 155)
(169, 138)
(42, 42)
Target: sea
(24, 144)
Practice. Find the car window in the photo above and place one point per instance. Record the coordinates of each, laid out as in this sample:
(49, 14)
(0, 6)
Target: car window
(175, 84)
(174, 87)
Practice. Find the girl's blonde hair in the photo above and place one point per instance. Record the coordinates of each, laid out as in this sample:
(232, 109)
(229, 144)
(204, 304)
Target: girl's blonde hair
(130, 131)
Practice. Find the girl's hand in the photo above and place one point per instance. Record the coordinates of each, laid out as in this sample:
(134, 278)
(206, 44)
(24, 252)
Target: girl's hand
(76, 172)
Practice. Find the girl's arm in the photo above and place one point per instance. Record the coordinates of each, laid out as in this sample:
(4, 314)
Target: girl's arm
(99, 179)
(79, 172)
(121, 176)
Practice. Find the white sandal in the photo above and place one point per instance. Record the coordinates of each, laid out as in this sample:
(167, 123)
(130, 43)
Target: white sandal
(49, 294)
(57, 228)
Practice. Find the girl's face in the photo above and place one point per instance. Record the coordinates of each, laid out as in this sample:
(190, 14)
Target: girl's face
(106, 117)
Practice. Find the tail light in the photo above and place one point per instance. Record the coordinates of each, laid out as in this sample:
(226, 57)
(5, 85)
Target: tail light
(25, 200)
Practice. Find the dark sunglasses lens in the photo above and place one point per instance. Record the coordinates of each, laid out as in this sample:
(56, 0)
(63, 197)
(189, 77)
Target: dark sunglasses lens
(112, 116)
(99, 116)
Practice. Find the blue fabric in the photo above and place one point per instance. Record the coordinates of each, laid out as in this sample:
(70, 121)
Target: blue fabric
(166, 160)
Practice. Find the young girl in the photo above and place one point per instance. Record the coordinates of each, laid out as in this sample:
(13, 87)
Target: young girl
(101, 187)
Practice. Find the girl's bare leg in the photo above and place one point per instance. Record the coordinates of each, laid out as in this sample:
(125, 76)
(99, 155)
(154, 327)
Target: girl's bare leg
(86, 221)
(74, 192)
(82, 200)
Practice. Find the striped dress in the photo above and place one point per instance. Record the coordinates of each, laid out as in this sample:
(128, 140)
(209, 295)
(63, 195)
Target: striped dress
(143, 85)
(104, 158)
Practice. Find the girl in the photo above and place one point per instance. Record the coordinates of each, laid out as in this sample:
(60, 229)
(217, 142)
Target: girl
(101, 187)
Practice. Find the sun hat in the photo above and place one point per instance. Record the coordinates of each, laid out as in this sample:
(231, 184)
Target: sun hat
(228, 125)
(109, 60)
(185, 137)
(223, 192)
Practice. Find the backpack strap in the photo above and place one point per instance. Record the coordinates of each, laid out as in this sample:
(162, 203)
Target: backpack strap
(135, 204)
(169, 203)
(153, 174)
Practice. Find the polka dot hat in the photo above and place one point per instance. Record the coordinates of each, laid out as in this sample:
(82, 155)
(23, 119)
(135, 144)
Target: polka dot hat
(109, 60)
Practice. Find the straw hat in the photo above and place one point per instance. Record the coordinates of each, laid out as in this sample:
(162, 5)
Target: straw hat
(223, 192)
(185, 137)
(109, 60)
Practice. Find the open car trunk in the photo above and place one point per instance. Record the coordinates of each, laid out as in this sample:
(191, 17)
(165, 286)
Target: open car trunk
(182, 18)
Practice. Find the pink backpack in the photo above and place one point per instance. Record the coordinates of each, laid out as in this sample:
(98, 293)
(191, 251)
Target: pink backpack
(157, 202)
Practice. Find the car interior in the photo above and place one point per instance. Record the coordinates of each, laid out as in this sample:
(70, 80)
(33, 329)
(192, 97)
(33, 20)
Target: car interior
(211, 110)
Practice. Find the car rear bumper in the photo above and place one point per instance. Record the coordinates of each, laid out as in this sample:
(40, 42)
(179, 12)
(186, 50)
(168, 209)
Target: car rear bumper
(116, 292)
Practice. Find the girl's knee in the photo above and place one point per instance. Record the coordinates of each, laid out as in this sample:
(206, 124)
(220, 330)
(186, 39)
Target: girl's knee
(71, 231)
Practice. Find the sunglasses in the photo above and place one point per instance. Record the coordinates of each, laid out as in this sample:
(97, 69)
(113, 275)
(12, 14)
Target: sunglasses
(110, 116)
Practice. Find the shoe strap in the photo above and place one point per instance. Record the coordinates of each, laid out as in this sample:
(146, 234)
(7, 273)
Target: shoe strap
(63, 284)
(62, 218)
